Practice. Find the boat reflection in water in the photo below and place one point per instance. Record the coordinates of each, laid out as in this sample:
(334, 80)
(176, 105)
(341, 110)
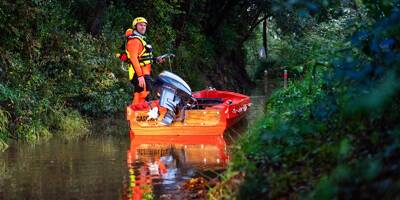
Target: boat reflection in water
(160, 164)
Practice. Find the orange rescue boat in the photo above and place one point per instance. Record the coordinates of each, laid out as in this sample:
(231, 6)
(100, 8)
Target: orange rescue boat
(206, 112)
(221, 109)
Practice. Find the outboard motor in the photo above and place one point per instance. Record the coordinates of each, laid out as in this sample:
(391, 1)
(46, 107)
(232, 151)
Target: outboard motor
(174, 92)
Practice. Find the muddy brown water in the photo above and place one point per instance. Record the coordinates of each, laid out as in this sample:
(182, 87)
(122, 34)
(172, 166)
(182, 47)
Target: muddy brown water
(107, 165)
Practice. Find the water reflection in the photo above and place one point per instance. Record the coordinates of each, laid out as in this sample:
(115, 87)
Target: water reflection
(160, 164)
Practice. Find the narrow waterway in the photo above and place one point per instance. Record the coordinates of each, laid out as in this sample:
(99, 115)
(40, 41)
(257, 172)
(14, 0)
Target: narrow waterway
(107, 165)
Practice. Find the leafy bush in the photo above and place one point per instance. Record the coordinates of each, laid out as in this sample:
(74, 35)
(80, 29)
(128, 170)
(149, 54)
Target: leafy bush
(51, 65)
(334, 133)
(72, 125)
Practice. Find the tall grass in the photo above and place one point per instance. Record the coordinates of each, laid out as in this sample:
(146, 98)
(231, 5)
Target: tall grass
(72, 125)
(3, 129)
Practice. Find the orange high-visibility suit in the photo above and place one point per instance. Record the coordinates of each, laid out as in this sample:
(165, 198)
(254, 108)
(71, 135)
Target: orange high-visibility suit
(135, 49)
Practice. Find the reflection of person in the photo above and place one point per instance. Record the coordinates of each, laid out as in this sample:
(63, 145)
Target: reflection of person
(140, 56)
(163, 168)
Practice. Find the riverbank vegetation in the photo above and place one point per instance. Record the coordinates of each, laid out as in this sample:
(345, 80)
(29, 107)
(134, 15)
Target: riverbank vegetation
(333, 133)
(51, 68)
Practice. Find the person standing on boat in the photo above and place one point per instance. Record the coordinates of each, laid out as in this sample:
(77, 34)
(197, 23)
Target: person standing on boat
(139, 54)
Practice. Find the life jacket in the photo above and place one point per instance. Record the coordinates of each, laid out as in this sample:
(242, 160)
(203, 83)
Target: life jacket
(145, 57)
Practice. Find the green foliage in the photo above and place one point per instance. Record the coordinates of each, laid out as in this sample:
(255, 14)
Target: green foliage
(317, 42)
(72, 125)
(3, 128)
(194, 53)
(32, 130)
(334, 133)
(287, 138)
(50, 65)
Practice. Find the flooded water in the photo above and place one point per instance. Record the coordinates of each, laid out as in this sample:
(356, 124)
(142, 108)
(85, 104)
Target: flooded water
(90, 168)
(108, 165)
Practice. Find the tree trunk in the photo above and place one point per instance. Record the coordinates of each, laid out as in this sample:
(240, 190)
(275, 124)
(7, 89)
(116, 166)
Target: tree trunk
(95, 26)
(229, 72)
(265, 37)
